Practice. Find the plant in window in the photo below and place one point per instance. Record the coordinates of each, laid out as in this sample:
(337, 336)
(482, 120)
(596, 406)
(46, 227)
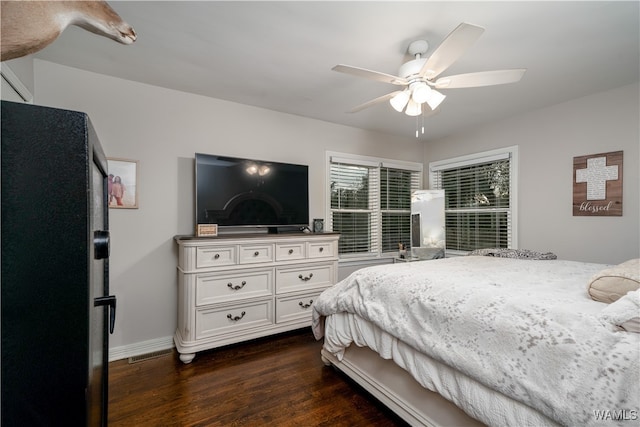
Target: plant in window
(498, 176)
(480, 199)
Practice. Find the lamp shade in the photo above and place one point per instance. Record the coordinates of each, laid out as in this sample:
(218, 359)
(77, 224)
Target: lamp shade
(413, 108)
(399, 101)
(435, 98)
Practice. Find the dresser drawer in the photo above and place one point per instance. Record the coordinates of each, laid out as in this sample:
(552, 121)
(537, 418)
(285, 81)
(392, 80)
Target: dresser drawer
(236, 288)
(289, 251)
(321, 249)
(215, 256)
(216, 288)
(254, 254)
(295, 308)
(303, 277)
(233, 318)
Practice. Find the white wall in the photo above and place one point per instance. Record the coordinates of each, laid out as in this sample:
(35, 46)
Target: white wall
(162, 129)
(17, 80)
(548, 139)
(23, 69)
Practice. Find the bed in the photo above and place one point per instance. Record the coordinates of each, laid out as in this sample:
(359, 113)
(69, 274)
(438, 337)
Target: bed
(489, 340)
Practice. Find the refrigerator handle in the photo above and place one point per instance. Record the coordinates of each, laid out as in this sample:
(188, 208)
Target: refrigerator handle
(111, 302)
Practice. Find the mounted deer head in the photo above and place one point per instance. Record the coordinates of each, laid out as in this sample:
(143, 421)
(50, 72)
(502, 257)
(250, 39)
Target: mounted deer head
(29, 26)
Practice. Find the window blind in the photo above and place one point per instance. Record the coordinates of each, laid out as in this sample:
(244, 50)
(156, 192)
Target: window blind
(370, 204)
(478, 201)
(354, 198)
(396, 186)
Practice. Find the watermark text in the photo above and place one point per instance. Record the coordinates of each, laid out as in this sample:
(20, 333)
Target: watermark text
(615, 414)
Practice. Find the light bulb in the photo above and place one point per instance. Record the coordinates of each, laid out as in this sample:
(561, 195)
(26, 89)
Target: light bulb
(421, 92)
(399, 101)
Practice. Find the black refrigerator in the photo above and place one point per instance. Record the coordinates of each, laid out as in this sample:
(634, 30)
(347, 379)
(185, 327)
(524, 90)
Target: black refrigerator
(56, 309)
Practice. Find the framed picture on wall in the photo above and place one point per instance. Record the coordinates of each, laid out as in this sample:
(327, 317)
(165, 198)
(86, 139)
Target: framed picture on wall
(597, 184)
(123, 183)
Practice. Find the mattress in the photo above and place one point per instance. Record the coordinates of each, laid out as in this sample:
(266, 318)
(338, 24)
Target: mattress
(525, 330)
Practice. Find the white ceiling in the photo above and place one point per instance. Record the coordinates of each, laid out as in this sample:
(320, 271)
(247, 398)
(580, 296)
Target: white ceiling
(279, 55)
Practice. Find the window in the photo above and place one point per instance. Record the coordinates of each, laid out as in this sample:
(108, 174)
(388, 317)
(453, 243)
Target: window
(480, 199)
(370, 203)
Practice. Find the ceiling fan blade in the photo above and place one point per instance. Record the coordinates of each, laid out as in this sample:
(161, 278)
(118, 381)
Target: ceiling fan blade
(451, 48)
(483, 78)
(374, 101)
(369, 74)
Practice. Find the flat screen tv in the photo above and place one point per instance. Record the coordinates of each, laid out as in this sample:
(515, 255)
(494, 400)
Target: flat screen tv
(234, 192)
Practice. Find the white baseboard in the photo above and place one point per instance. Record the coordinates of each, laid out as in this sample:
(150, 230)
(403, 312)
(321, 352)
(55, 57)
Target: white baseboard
(144, 347)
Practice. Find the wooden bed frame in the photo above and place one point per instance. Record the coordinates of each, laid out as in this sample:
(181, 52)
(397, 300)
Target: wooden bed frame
(397, 390)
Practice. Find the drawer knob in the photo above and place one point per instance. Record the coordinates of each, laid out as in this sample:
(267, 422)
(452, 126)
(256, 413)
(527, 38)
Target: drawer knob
(290, 251)
(236, 287)
(236, 318)
(305, 278)
(256, 253)
(321, 249)
(303, 305)
(216, 256)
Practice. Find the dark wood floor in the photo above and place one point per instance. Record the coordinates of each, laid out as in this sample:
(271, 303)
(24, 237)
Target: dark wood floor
(275, 381)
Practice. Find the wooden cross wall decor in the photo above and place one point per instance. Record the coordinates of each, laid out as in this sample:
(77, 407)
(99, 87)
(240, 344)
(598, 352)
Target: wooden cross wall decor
(597, 184)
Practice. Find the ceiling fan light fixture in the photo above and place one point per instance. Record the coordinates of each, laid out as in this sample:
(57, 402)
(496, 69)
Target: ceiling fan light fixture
(420, 92)
(413, 108)
(435, 98)
(419, 77)
(399, 101)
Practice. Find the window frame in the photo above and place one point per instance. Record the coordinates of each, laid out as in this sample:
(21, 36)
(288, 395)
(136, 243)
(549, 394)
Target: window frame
(510, 153)
(375, 162)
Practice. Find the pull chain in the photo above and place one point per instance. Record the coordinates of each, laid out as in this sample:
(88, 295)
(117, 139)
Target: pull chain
(418, 125)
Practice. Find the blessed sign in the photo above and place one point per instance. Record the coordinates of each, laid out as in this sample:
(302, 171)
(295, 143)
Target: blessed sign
(597, 184)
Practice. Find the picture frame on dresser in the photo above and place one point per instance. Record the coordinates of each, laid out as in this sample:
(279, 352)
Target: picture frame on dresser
(206, 230)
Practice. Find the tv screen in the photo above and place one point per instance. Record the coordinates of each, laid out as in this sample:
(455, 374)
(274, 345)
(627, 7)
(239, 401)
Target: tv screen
(237, 192)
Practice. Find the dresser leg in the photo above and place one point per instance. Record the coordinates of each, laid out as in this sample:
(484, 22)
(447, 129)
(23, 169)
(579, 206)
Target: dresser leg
(187, 357)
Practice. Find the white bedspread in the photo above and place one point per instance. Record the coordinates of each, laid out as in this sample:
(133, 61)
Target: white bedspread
(524, 328)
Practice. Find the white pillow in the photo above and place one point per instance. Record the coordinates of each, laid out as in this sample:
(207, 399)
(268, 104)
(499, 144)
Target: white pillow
(613, 283)
(623, 314)
(632, 325)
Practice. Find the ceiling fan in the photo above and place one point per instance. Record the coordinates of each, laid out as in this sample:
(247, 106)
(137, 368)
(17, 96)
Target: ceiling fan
(420, 75)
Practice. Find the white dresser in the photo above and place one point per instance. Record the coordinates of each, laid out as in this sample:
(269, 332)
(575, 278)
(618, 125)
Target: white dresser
(236, 288)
